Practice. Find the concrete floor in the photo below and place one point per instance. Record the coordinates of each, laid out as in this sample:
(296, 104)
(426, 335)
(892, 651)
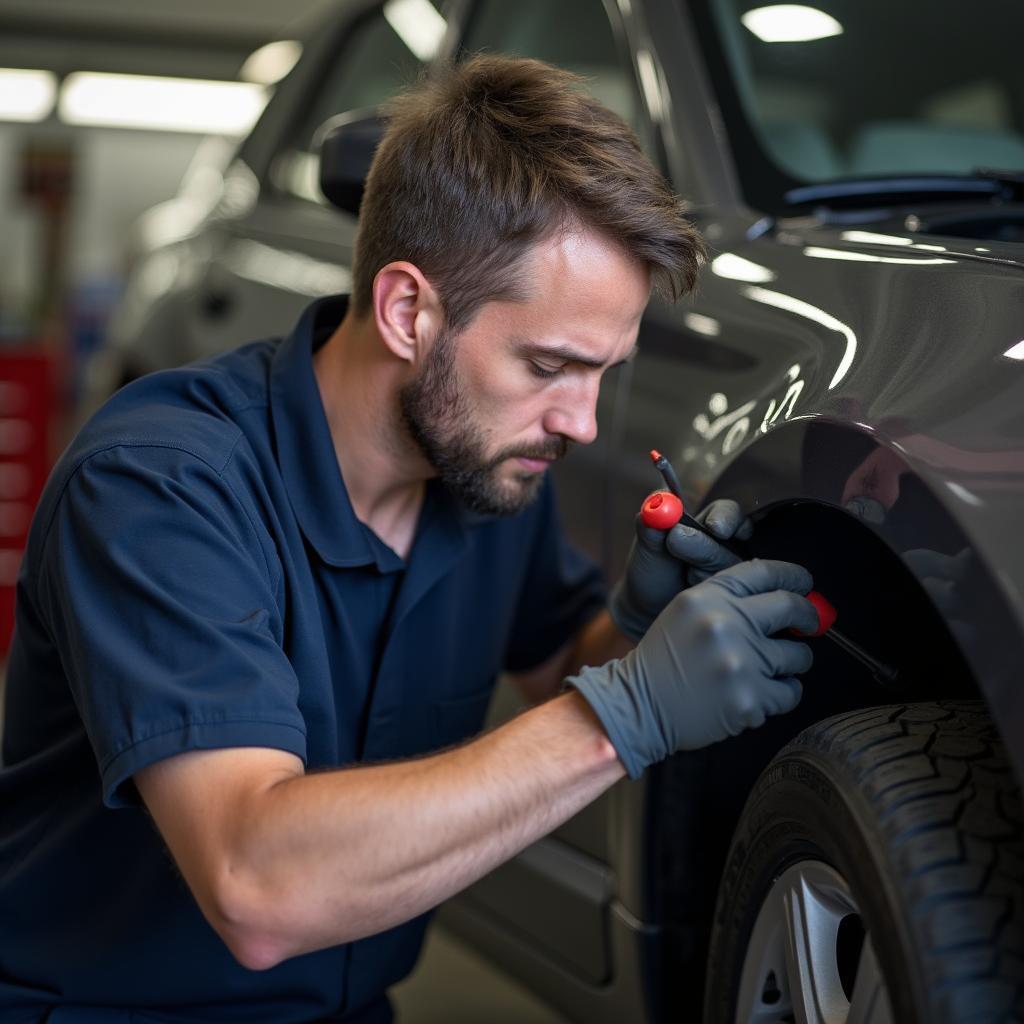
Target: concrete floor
(453, 985)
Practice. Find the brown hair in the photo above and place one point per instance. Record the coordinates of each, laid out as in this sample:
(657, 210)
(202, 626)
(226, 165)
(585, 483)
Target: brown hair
(482, 159)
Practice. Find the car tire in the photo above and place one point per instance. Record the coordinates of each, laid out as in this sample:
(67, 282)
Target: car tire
(876, 875)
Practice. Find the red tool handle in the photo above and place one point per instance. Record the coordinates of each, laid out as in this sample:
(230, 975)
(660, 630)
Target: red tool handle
(663, 510)
(827, 614)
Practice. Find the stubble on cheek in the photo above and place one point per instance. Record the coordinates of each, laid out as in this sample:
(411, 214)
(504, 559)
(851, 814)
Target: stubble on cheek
(454, 437)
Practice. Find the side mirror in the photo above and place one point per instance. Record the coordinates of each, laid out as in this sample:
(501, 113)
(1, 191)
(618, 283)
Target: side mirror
(347, 144)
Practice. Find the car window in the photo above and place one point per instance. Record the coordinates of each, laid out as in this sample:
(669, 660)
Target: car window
(855, 88)
(374, 60)
(574, 34)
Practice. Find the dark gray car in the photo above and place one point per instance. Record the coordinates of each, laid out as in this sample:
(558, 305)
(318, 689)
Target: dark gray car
(852, 371)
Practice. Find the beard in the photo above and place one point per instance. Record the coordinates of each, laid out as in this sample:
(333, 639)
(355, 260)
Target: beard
(440, 419)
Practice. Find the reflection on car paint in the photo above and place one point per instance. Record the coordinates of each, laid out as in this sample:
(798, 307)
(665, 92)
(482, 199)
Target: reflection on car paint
(963, 494)
(240, 191)
(819, 252)
(793, 305)
(650, 84)
(787, 403)
(710, 429)
(419, 24)
(736, 268)
(287, 270)
(299, 173)
(701, 324)
(874, 238)
(736, 423)
(157, 275)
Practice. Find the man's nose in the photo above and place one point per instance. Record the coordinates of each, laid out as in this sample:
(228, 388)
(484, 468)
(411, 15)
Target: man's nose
(575, 415)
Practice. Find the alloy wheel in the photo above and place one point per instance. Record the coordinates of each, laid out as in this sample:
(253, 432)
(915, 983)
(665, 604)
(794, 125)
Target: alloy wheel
(809, 960)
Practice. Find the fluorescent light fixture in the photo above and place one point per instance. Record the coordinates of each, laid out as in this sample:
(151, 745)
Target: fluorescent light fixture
(736, 268)
(26, 95)
(790, 23)
(270, 63)
(1017, 352)
(160, 104)
(419, 25)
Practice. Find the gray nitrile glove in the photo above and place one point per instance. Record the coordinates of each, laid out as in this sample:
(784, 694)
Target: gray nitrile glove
(708, 667)
(663, 562)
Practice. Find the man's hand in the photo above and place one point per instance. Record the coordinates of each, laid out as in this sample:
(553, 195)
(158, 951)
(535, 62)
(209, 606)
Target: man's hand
(708, 667)
(661, 563)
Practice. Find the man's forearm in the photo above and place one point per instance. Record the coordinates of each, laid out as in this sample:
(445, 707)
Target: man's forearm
(328, 858)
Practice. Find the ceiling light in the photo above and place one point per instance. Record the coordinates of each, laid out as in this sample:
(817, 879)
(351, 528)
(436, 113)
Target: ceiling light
(270, 63)
(790, 23)
(1017, 352)
(26, 95)
(160, 104)
(419, 25)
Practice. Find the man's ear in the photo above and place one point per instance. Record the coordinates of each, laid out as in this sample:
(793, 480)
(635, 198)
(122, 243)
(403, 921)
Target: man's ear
(406, 310)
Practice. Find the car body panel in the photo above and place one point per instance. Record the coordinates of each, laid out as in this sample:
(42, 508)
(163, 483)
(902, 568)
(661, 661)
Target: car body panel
(912, 395)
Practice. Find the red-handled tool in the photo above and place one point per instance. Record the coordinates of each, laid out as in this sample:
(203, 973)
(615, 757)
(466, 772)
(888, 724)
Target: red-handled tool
(664, 509)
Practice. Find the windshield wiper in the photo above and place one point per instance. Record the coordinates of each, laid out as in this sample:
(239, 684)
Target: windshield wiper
(897, 189)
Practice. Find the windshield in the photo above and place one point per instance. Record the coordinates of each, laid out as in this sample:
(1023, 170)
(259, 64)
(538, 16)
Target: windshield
(861, 88)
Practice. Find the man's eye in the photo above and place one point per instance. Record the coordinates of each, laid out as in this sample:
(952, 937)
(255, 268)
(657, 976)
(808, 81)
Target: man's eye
(542, 371)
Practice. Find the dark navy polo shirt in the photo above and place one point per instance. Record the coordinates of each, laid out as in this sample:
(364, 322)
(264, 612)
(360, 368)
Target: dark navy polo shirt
(196, 578)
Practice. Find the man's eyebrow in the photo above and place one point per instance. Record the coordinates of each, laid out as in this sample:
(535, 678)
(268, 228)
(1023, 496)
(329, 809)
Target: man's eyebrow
(568, 353)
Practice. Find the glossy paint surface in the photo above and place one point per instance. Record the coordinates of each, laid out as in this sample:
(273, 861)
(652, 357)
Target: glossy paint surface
(867, 371)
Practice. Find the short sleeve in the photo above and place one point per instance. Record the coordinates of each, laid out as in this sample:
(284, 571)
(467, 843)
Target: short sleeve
(562, 591)
(162, 604)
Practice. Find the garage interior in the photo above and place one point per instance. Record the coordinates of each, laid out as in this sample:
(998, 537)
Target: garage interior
(121, 123)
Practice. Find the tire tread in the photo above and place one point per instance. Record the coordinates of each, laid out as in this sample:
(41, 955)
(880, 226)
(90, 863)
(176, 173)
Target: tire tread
(944, 794)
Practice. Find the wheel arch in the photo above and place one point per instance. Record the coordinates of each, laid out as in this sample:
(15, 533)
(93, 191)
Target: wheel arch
(670, 835)
(852, 506)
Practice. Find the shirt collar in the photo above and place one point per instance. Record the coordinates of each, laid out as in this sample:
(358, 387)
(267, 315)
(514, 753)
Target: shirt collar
(305, 449)
(309, 463)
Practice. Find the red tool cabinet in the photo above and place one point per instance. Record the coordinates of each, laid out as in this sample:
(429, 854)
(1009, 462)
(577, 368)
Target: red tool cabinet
(28, 401)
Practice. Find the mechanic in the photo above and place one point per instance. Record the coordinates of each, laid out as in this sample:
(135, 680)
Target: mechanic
(265, 598)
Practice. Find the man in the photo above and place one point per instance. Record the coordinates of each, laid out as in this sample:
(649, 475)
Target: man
(262, 593)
